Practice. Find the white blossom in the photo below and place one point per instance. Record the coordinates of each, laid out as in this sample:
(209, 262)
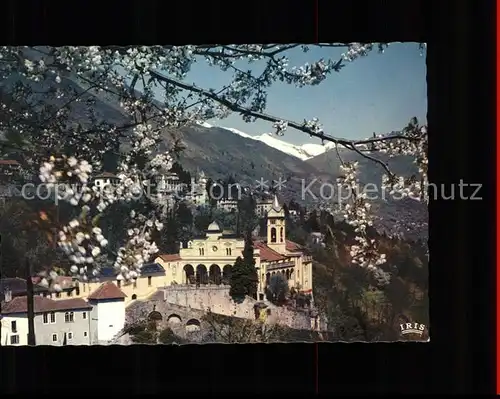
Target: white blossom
(69, 155)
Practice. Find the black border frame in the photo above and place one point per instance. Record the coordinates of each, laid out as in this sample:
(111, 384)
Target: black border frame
(460, 72)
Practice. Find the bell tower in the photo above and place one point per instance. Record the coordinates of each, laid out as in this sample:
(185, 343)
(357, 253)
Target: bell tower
(276, 238)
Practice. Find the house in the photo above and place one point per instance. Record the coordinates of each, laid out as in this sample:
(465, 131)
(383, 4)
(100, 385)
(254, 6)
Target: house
(209, 260)
(9, 170)
(152, 277)
(108, 311)
(64, 322)
(105, 179)
(227, 205)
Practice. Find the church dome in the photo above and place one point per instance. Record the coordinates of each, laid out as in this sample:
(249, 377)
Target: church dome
(213, 228)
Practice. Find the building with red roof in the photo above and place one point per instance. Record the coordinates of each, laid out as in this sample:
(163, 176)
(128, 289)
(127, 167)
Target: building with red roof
(74, 321)
(108, 311)
(62, 322)
(209, 259)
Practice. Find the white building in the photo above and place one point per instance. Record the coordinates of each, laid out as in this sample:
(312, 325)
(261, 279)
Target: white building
(198, 195)
(228, 205)
(262, 207)
(108, 312)
(64, 322)
(105, 179)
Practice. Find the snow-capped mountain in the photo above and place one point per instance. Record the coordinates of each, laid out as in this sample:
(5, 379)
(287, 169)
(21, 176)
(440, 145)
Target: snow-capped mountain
(303, 152)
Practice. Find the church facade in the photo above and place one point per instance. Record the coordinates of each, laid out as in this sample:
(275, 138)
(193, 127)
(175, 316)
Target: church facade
(209, 260)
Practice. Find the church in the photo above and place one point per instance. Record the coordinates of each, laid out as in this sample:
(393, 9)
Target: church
(209, 260)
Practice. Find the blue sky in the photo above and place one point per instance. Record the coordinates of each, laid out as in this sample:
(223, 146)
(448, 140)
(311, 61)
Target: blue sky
(377, 93)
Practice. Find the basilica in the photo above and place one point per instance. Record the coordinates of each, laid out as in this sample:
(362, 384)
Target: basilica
(209, 260)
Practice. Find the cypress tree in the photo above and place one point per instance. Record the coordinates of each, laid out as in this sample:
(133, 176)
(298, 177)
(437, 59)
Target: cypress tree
(244, 276)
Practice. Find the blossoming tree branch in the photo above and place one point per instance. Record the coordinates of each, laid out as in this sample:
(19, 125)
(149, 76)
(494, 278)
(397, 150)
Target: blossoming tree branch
(62, 151)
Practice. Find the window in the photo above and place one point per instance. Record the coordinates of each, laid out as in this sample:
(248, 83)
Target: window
(58, 294)
(85, 333)
(149, 281)
(52, 317)
(69, 293)
(134, 284)
(228, 251)
(14, 339)
(202, 251)
(45, 318)
(118, 283)
(54, 337)
(13, 326)
(84, 287)
(273, 234)
(70, 335)
(77, 290)
(69, 317)
(84, 315)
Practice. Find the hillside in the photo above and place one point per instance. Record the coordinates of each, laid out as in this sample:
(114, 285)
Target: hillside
(222, 151)
(369, 172)
(409, 215)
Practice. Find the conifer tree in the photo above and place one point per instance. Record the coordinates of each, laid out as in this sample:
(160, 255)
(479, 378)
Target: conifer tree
(244, 275)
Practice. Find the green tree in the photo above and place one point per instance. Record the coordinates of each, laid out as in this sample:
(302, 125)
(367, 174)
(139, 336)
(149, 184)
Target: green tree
(202, 219)
(184, 176)
(178, 228)
(312, 224)
(212, 191)
(244, 276)
(247, 218)
(277, 290)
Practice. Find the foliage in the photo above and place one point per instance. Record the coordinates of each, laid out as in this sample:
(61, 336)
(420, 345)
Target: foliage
(178, 228)
(277, 290)
(238, 281)
(143, 332)
(357, 306)
(52, 124)
(244, 278)
(145, 337)
(236, 330)
(247, 218)
(23, 239)
(167, 336)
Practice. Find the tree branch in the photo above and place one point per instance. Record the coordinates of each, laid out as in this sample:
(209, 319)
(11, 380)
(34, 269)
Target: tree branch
(270, 118)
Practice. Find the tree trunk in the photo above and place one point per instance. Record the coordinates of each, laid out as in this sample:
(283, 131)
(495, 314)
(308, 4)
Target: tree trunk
(31, 307)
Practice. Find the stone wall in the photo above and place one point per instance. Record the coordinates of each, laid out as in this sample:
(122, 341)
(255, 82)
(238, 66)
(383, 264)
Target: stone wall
(182, 320)
(217, 300)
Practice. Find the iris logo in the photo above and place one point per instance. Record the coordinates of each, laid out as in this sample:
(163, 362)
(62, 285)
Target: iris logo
(412, 328)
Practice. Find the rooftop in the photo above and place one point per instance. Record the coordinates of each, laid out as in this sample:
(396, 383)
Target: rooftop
(169, 257)
(107, 290)
(267, 254)
(17, 285)
(20, 305)
(151, 268)
(147, 268)
(8, 162)
(213, 228)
